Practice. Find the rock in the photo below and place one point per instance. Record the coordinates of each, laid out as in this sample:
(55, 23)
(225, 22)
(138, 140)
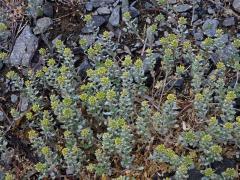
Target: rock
(98, 3)
(48, 9)
(103, 10)
(236, 5)
(211, 10)
(210, 27)
(2, 117)
(194, 174)
(182, 8)
(134, 12)
(42, 25)
(230, 21)
(114, 19)
(24, 104)
(198, 35)
(1, 65)
(90, 39)
(125, 5)
(84, 66)
(14, 98)
(97, 22)
(24, 48)
(89, 6)
(172, 1)
(221, 166)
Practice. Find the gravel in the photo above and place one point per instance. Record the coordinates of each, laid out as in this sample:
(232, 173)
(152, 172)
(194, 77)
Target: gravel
(182, 8)
(14, 98)
(210, 27)
(236, 5)
(114, 19)
(103, 10)
(24, 48)
(229, 21)
(42, 25)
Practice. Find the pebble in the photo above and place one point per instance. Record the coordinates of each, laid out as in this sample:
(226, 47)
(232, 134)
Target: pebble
(114, 19)
(210, 27)
(84, 66)
(24, 104)
(134, 12)
(24, 48)
(2, 117)
(236, 5)
(103, 10)
(229, 21)
(14, 98)
(89, 6)
(182, 8)
(42, 25)
(125, 5)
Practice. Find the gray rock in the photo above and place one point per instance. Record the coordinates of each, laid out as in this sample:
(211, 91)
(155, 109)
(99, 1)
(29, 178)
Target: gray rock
(97, 22)
(182, 8)
(89, 6)
(229, 21)
(2, 117)
(98, 3)
(24, 48)
(48, 9)
(14, 98)
(172, 1)
(198, 36)
(115, 16)
(103, 10)
(125, 5)
(211, 10)
(90, 39)
(24, 104)
(42, 25)
(210, 27)
(236, 5)
(134, 12)
(84, 66)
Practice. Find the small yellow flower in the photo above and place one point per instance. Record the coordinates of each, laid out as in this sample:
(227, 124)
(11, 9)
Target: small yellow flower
(87, 18)
(106, 34)
(230, 96)
(67, 101)
(3, 27)
(51, 62)
(92, 100)
(168, 52)
(40, 167)
(236, 43)
(108, 63)
(186, 45)
(64, 69)
(45, 151)
(127, 61)
(220, 65)
(208, 172)
(36, 107)
(208, 41)
(85, 132)
(213, 121)
(45, 69)
(206, 138)
(138, 63)
(111, 94)
(126, 16)
(3, 55)
(228, 125)
(42, 51)
(8, 176)
(67, 52)
(67, 113)
(54, 104)
(199, 97)
(65, 151)
(59, 44)
(67, 133)
(45, 122)
(161, 148)
(118, 141)
(39, 73)
(11, 75)
(149, 52)
(83, 97)
(180, 69)
(104, 80)
(61, 80)
(219, 32)
(182, 21)
(216, 149)
(75, 149)
(101, 71)
(32, 134)
(29, 115)
(83, 42)
(100, 95)
(171, 98)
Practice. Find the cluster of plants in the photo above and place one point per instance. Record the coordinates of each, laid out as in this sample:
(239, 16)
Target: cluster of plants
(95, 124)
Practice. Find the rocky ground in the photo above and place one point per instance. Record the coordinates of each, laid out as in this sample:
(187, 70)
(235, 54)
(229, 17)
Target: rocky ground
(30, 29)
